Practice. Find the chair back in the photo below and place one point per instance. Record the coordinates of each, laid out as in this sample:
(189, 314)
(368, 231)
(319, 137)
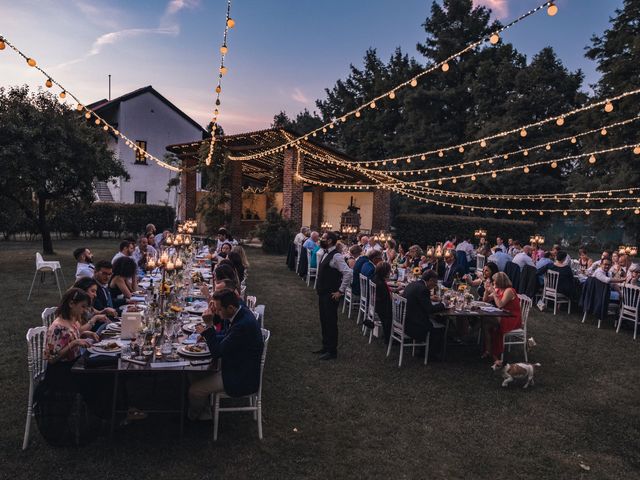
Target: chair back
(364, 286)
(319, 255)
(259, 312)
(525, 307)
(461, 260)
(398, 314)
(243, 291)
(266, 335)
(251, 302)
(551, 282)
(36, 341)
(39, 260)
(48, 316)
(372, 300)
(630, 302)
(480, 262)
(308, 257)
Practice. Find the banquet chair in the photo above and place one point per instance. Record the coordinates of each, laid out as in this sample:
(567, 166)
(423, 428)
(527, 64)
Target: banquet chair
(519, 335)
(255, 399)
(48, 316)
(399, 311)
(348, 299)
(298, 255)
(629, 306)
(364, 288)
(259, 313)
(42, 267)
(36, 340)
(251, 302)
(311, 272)
(319, 255)
(243, 291)
(371, 310)
(550, 291)
(480, 262)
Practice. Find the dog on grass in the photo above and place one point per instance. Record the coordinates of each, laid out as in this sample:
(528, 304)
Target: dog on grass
(518, 371)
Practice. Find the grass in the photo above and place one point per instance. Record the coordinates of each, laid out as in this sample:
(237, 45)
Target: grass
(357, 417)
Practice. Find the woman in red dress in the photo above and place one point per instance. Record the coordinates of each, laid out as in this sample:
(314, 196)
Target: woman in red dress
(504, 296)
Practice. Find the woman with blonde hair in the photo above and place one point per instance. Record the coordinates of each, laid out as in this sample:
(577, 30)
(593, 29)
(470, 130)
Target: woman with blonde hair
(502, 293)
(243, 255)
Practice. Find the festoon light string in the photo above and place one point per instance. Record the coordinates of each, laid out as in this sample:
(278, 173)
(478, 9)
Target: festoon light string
(493, 38)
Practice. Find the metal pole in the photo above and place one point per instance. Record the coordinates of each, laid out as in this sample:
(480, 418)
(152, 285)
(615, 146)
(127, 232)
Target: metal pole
(109, 87)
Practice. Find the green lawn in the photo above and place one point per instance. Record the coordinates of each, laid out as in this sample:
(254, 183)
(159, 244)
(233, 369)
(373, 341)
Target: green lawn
(358, 417)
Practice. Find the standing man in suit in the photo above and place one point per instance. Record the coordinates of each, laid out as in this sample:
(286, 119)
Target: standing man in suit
(420, 306)
(240, 351)
(334, 276)
(451, 269)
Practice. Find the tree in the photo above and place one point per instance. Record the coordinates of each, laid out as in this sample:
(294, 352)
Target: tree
(49, 154)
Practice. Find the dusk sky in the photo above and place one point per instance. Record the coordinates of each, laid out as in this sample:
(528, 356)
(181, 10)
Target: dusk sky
(282, 53)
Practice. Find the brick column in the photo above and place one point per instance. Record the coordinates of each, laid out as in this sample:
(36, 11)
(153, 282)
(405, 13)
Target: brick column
(188, 188)
(236, 197)
(292, 189)
(317, 206)
(381, 210)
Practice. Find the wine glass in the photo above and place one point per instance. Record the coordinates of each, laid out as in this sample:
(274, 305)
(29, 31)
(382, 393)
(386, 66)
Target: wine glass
(140, 339)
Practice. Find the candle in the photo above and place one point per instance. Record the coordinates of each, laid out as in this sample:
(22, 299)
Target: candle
(170, 265)
(178, 263)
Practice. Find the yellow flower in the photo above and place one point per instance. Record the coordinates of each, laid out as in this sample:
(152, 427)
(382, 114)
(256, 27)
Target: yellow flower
(417, 270)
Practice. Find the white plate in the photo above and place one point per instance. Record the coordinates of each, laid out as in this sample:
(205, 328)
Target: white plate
(98, 349)
(190, 327)
(183, 351)
(196, 311)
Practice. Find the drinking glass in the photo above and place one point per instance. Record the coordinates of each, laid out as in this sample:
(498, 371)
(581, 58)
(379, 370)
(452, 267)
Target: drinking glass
(140, 339)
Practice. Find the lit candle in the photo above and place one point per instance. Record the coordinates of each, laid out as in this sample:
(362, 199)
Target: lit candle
(179, 263)
(164, 258)
(170, 265)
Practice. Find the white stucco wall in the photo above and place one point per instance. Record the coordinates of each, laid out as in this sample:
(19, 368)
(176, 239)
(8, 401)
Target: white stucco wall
(336, 203)
(145, 117)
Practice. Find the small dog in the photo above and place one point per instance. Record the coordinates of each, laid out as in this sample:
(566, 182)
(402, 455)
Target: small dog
(518, 371)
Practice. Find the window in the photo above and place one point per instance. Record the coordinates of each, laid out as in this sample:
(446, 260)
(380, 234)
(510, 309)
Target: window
(140, 197)
(140, 158)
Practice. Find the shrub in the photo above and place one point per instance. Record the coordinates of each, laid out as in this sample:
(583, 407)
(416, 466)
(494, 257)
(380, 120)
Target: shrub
(428, 229)
(275, 232)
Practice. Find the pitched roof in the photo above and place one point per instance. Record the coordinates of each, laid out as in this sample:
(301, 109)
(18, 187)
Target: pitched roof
(105, 105)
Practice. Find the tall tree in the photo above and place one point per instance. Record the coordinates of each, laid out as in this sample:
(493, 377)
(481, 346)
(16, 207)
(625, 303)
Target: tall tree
(49, 154)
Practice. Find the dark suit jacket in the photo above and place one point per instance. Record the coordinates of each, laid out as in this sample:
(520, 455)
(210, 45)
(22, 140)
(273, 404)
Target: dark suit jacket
(419, 307)
(447, 280)
(101, 301)
(240, 351)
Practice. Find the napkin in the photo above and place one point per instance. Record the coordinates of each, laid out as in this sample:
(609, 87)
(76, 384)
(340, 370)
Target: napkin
(181, 363)
(490, 309)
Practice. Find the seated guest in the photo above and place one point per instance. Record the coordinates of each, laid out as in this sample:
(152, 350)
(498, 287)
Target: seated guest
(161, 237)
(85, 266)
(499, 257)
(500, 245)
(225, 248)
(374, 257)
(541, 266)
(403, 248)
(502, 293)
(413, 256)
(150, 229)
(364, 243)
(225, 270)
(312, 241)
(127, 247)
(584, 261)
(466, 247)
(452, 270)
(485, 280)
(300, 237)
(151, 240)
(389, 254)
(524, 257)
(355, 252)
(236, 260)
(634, 275)
(428, 262)
(374, 244)
(142, 253)
(243, 255)
(103, 298)
(420, 306)
(566, 283)
(595, 265)
(93, 317)
(450, 244)
(482, 245)
(536, 253)
(621, 269)
(514, 247)
(603, 274)
(357, 269)
(240, 352)
(124, 280)
(383, 298)
(222, 239)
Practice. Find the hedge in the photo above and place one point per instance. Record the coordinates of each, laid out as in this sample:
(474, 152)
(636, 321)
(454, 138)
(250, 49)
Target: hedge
(428, 229)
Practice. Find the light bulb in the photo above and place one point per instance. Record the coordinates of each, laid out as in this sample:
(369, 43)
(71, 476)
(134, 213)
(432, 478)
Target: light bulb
(2, 45)
(494, 174)
(392, 95)
(441, 154)
(608, 107)
(224, 49)
(495, 38)
(552, 10)
(223, 70)
(573, 140)
(560, 121)
(231, 23)
(554, 165)
(445, 67)
(637, 150)
(423, 157)
(97, 121)
(105, 128)
(48, 83)
(87, 115)
(526, 170)
(473, 178)
(603, 132)
(548, 147)
(523, 133)
(218, 89)
(31, 62)
(461, 149)
(358, 114)
(63, 94)
(525, 153)
(483, 144)
(592, 159)
(79, 107)
(414, 82)
(372, 104)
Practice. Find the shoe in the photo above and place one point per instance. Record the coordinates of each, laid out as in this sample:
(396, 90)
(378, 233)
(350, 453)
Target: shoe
(320, 352)
(328, 356)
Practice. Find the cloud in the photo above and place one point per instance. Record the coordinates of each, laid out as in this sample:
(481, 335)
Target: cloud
(500, 8)
(298, 96)
(103, 16)
(168, 26)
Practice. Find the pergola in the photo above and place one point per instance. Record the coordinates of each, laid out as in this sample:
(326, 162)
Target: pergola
(306, 166)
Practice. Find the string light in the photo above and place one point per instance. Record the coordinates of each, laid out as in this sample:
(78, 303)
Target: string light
(31, 62)
(494, 39)
(443, 65)
(48, 83)
(608, 107)
(552, 10)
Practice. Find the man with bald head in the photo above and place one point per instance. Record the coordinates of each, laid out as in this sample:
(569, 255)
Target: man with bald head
(524, 257)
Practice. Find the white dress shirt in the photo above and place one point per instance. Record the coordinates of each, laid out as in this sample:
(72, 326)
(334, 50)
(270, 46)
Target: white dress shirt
(84, 270)
(521, 259)
(467, 248)
(602, 275)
